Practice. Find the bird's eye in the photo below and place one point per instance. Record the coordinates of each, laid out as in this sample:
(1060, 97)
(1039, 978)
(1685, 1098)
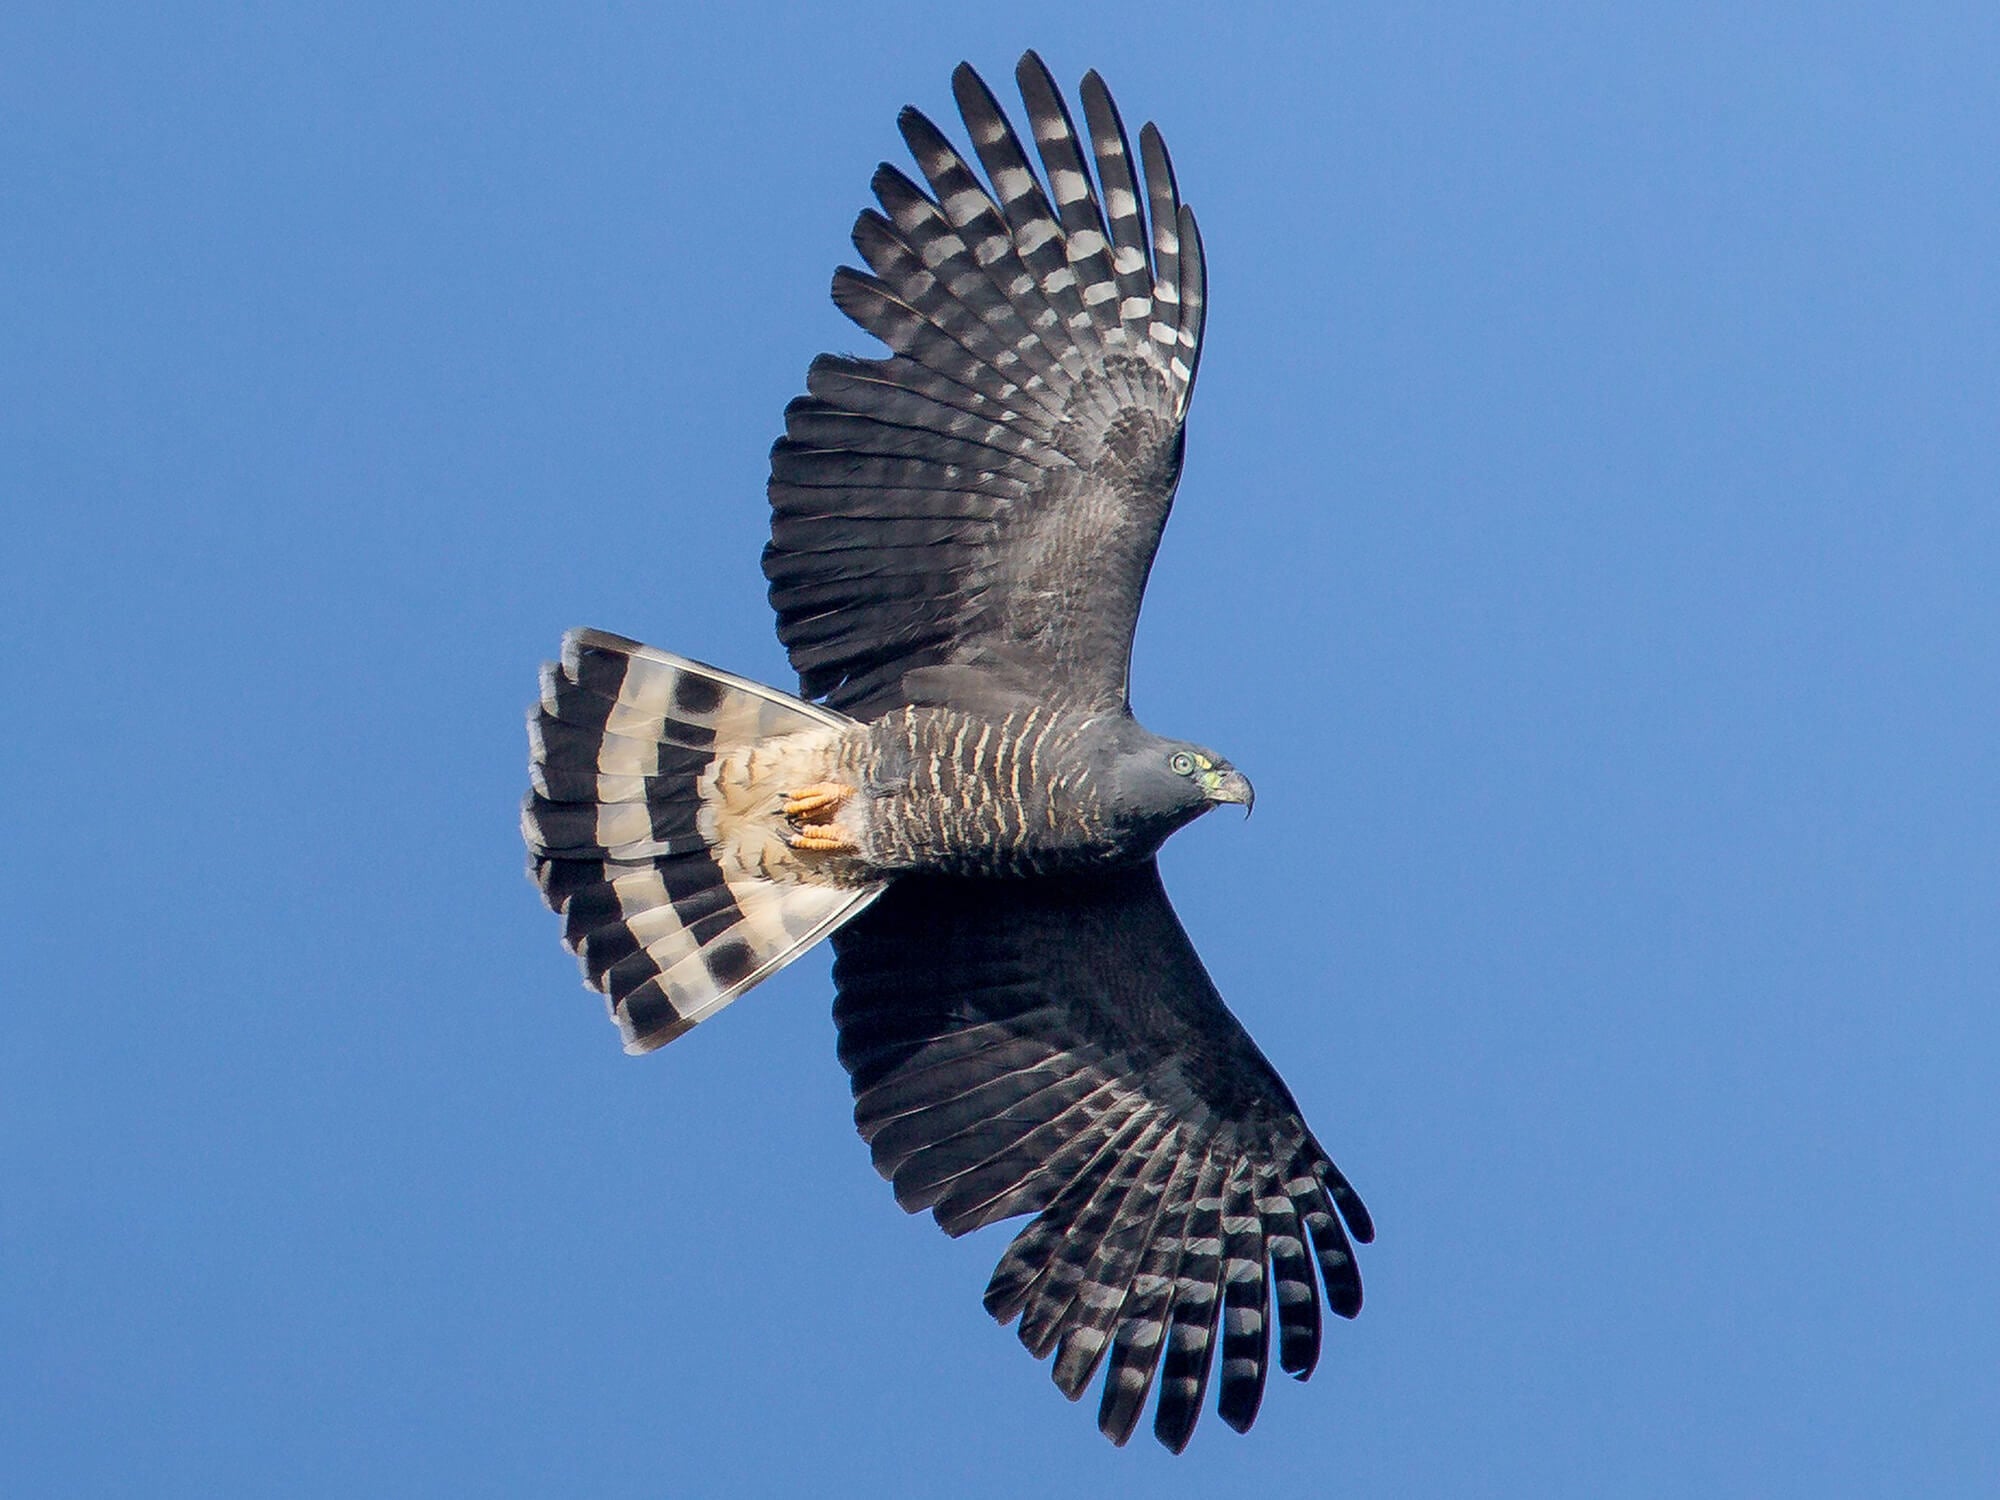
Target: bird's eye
(1183, 763)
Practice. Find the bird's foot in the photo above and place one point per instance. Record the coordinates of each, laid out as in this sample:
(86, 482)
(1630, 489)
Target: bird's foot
(817, 803)
(822, 838)
(811, 811)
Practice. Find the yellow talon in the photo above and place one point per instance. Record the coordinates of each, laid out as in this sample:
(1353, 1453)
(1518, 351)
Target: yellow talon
(817, 803)
(811, 811)
(822, 840)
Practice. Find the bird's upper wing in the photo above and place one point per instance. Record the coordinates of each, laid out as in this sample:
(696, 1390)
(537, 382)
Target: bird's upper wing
(988, 498)
(1055, 1047)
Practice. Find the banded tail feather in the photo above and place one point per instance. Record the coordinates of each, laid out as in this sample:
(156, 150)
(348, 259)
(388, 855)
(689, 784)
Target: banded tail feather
(655, 829)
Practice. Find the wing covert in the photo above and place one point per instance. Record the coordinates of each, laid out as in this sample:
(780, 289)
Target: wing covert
(990, 495)
(1055, 1047)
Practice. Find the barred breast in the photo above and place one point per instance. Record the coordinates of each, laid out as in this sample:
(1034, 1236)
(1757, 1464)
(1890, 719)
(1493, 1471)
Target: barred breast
(962, 794)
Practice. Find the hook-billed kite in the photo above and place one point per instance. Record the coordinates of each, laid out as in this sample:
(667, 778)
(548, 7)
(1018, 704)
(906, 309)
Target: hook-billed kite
(961, 796)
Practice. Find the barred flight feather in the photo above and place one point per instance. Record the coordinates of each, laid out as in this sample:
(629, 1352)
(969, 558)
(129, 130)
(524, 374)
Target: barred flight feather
(1085, 241)
(1108, 1278)
(1294, 1287)
(1042, 342)
(1091, 1244)
(999, 1068)
(1031, 220)
(1021, 1267)
(1246, 1327)
(1135, 1348)
(1124, 213)
(968, 240)
(1190, 1336)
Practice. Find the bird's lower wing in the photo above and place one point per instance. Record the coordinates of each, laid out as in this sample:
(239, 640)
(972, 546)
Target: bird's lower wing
(1055, 1047)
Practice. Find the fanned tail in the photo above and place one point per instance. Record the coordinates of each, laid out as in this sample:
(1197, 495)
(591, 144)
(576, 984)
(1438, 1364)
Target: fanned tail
(675, 895)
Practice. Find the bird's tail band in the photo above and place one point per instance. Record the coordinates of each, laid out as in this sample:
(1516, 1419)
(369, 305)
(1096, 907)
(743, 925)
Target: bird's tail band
(647, 830)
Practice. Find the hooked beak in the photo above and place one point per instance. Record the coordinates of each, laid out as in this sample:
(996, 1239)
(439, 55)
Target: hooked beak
(1232, 786)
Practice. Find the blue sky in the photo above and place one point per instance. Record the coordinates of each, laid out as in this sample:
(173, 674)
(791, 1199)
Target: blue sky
(1588, 545)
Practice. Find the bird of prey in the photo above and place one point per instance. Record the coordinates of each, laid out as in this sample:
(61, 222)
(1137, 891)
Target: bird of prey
(960, 795)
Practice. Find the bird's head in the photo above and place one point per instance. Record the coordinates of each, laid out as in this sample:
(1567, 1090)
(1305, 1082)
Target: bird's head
(1214, 778)
(1166, 783)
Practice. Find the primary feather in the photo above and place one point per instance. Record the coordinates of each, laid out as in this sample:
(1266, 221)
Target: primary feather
(1030, 409)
